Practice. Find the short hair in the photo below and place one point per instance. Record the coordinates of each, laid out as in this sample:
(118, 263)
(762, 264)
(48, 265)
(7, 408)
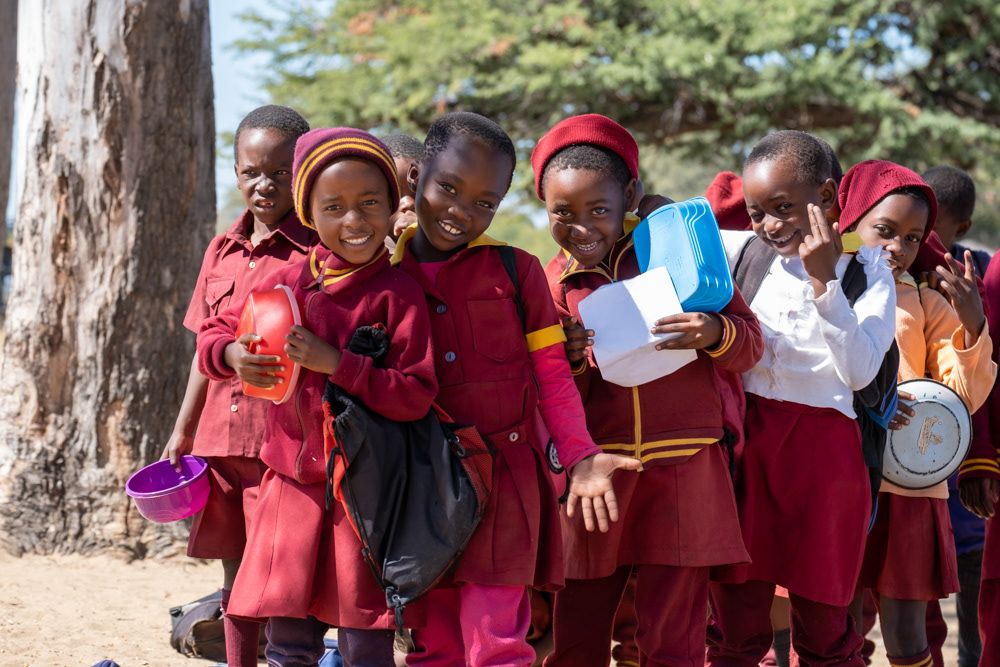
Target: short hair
(810, 155)
(836, 171)
(593, 158)
(954, 189)
(472, 125)
(404, 146)
(286, 120)
(911, 191)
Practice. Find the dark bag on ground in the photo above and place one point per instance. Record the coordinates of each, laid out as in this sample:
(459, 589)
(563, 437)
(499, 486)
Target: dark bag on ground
(874, 405)
(414, 492)
(196, 629)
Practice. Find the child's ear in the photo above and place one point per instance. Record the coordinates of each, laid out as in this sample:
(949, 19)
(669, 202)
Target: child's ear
(413, 176)
(828, 200)
(633, 193)
(963, 228)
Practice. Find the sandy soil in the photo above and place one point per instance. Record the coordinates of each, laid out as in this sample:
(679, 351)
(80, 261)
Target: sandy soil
(72, 611)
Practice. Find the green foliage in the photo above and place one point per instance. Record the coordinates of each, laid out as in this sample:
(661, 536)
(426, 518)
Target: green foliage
(698, 81)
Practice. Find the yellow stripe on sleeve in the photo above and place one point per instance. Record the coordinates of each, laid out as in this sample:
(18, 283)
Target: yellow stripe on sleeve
(543, 338)
(728, 338)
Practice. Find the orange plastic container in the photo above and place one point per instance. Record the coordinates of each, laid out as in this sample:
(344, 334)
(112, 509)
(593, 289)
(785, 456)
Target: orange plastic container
(271, 315)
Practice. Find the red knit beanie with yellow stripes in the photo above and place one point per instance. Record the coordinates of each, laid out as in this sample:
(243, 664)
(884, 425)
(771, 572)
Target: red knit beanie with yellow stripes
(317, 149)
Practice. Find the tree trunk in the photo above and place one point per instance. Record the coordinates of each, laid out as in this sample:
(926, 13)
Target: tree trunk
(8, 81)
(117, 203)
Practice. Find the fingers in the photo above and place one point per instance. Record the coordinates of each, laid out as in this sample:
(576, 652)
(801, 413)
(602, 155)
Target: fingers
(571, 504)
(587, 505)
(611, 502)
(601, 513)
(906, 396)
(821, 228)
(626, 463)
(969, 274)
(248, 339)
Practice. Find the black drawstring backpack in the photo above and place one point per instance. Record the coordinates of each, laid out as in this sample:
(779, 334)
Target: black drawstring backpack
(414, 492)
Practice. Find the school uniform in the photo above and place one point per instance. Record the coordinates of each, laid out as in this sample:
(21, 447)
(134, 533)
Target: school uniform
(302, 559)
(804, 498)
(231, 427)
(910, 554)
(496, 373)
(678, 516)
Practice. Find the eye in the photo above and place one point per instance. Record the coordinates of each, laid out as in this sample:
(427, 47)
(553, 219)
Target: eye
(250, 173)
(447, 187)
(913, 238)
(600, 210)
(332, 207)
(561, 212)
(282, 172)
(488, 205)
(783, 207)
(883, 231)
(370, 202)
(756, 216)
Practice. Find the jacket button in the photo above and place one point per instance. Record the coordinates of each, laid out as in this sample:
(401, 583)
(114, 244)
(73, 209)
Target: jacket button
(252, 264)
(450, 356)
(233, 407)
(441, 309)
(513, 436)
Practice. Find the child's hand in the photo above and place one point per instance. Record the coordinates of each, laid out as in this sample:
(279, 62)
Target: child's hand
(697, 331)
(980, 495)
(309, 350)
(959, 286)
(178, 445)
(649, 203)
(404, 216)
(578, 340)
(903, 411)
(820, 251)
(254, 369)
(590, 482)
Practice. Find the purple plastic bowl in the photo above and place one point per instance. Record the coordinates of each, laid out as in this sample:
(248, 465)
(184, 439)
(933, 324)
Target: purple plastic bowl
(162, 494)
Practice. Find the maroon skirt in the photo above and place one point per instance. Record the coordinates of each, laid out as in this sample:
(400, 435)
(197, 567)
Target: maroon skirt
(804, 499)
(910, 553)
(517, 542)
(682, 515)
(302, 560)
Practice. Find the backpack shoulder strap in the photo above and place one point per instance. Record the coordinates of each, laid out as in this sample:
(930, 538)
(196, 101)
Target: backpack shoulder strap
(509, 260)
(752, 265)
(854, 283)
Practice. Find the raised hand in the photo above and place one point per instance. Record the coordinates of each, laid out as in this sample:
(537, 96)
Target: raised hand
(590, 484)
(820, 250)
(958, 285)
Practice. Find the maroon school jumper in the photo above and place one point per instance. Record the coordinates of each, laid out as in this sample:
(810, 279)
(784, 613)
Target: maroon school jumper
(483, 362)
(231, 426)
(301, 559)
(678, 517)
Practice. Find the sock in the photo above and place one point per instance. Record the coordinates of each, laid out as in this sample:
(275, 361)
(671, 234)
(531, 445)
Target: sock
(922, 659)
(242, 637)
(782, 645)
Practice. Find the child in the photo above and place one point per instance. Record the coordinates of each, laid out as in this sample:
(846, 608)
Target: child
(405, 151)
(499, 360)
(804, 493)
(679, 516)
(216, 421)
(956, 195)
(302, 566)
(910, 553)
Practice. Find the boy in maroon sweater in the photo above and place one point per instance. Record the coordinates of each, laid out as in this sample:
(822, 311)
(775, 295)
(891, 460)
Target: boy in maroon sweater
(216, 421)
(678, 518)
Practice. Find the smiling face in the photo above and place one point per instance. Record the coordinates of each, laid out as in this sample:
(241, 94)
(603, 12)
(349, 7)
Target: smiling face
(777, 197)
(350, 207)
(264, 173)
(897, 223)
(457, 193)
(586, 210)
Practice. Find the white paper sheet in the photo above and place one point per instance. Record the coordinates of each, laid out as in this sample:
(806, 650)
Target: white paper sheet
(621, 315)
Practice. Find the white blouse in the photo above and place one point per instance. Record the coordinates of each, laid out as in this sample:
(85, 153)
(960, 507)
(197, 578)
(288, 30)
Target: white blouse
(819, 351)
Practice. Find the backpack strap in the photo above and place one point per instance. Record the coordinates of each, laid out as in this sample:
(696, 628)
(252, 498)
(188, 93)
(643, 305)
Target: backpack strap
(752, 265)
(855, 282)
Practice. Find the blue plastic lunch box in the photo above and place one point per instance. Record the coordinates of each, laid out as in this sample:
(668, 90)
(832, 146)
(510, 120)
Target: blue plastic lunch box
(684, 238)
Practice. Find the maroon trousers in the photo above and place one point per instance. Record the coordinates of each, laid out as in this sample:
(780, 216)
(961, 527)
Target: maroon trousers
(670, 607)
(741, 634)
(989, 621)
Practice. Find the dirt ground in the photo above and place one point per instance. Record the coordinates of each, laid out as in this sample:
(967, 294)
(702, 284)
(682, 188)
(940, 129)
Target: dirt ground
(73, 611)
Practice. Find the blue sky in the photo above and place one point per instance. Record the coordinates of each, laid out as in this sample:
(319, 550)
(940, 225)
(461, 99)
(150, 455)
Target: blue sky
(236, 76)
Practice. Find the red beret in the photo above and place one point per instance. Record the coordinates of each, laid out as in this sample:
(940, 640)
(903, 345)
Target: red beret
(725, 196)
(869, 182)
(590, 128)
(316, 149)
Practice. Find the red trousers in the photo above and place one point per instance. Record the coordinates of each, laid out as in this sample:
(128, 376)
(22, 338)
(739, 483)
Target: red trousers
(670, 606)
(741, 634)
(989, 621)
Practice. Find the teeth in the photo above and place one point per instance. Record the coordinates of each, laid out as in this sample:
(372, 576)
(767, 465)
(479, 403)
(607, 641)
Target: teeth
(586, 247)
(783, 239)
(360, 241)
(451, 229)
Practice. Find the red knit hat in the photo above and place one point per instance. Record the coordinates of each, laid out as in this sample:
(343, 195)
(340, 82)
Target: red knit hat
(316, 149)
(869, 182)
(590, 128)
(725, 196)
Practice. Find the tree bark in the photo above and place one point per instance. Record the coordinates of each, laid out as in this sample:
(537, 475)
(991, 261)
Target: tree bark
(117, 203)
